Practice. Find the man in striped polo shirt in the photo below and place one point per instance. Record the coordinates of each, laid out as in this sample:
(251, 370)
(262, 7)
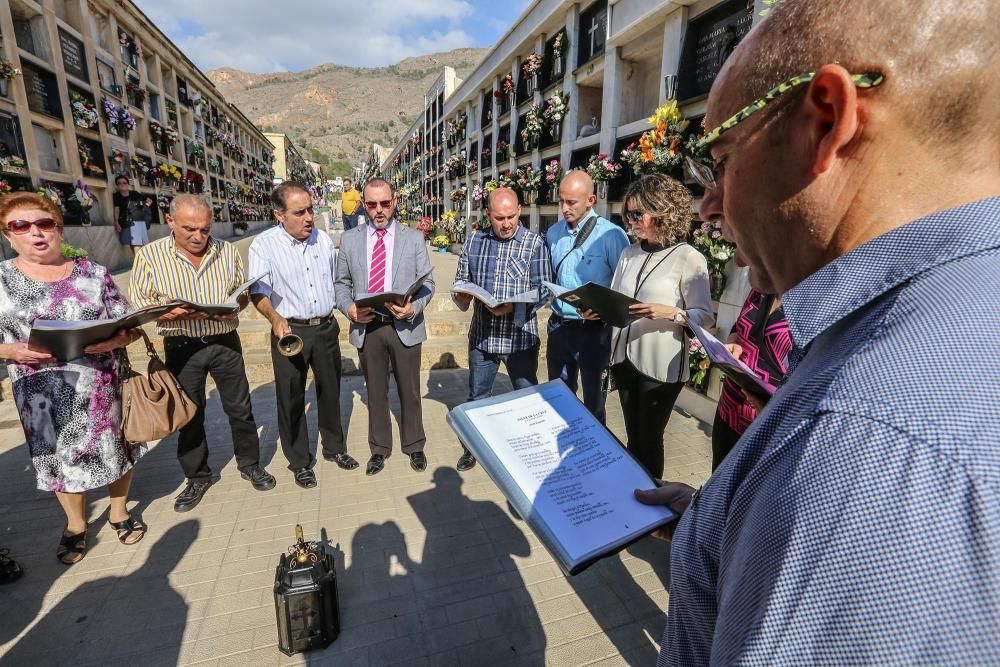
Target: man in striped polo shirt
(191, 265)
(297, 297)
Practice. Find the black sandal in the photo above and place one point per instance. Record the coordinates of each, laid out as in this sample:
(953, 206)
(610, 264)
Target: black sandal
(72, 548)
(10, 570)
(128, 527)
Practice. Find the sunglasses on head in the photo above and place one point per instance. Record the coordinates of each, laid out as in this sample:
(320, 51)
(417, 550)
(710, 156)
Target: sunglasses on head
(24, 226)
(372, 205)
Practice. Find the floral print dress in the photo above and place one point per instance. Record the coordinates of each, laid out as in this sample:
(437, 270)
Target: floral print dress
(70, 411)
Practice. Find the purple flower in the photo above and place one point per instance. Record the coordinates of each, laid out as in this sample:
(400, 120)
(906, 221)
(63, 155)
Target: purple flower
(716, 235)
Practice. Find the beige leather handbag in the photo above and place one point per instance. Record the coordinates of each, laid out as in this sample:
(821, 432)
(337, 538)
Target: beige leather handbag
(153, 405)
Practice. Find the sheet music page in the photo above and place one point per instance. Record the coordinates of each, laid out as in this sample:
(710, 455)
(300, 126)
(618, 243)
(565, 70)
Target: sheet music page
(575, 474)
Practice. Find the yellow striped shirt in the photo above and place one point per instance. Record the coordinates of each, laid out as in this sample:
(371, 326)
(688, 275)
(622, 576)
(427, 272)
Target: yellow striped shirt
(161, 273)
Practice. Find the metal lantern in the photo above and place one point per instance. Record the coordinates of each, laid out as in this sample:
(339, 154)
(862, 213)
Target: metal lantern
(305, 597)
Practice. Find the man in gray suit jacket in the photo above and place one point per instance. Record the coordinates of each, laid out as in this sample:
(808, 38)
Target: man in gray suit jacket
(384, 256)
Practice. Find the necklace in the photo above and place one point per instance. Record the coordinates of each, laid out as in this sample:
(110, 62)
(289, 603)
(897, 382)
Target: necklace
(40, 276)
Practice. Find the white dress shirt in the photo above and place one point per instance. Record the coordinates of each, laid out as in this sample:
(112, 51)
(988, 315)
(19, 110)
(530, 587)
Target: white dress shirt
(300, 284)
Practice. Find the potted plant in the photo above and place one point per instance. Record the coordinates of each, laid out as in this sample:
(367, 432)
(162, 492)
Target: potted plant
(441, 242)
(718, 250)
(602, 169)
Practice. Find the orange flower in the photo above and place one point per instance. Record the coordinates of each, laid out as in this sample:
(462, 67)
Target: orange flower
(674, 146)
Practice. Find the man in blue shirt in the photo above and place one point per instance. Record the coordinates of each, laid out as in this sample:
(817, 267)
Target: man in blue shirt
(858, 519)
(577, 346)
(506, 260)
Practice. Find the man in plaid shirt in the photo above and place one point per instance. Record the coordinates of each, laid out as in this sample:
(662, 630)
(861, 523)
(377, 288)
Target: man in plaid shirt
(504, 259)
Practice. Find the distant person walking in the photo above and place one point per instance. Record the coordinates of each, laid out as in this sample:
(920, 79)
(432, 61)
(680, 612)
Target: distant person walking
(350, 202)
(131, 221)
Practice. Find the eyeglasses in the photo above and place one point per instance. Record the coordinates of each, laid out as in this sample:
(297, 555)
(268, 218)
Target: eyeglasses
(705, 174)
(372, 205)
(633, 216)
(24, 226)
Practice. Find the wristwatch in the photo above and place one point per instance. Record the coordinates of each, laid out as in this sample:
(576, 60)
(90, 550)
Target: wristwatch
(679, 317)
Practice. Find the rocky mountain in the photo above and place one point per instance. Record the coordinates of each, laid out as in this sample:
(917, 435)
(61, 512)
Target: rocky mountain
(336, 112)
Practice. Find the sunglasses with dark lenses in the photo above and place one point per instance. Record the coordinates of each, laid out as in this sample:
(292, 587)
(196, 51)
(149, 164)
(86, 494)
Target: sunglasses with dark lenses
(633, 216)
(24, 226)
(372, 205)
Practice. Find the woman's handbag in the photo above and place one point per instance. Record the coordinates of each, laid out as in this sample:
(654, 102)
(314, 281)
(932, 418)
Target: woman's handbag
(153, 405)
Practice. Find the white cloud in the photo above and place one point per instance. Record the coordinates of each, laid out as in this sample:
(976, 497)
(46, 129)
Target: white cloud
(266, 36)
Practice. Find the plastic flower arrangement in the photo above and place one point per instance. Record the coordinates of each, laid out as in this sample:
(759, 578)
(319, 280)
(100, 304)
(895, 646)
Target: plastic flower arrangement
(558, 44)
(698, 362)
(502, 148)
(661, 148)
(531, 64)
(84, 113)
(555, 108)
(4, 187)
(553, 173)
(527, 178)
(602, 169)
(8, 71)
(424, 226)
(532, 129)
(716, 248)
(440, 241)
(52, 194)
(479, 193)
(505, 180)
(458, 194)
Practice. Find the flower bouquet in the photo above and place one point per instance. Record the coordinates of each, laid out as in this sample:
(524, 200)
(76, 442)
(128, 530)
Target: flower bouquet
(503, 149)
(717, 249)
(80, 202)
(507, 86)
(602, 169)
(527, 179)
(52, 194)
(558, 44)
(532, 129)
(553, 174)
(660, 149)
(458, 197)
(504, 180)
(555, 111)
(4, 187)
(699, 364)
(84, 112)
(529, 70)
(424, 226)
(7, 70)
(480, 194)
(441, 242)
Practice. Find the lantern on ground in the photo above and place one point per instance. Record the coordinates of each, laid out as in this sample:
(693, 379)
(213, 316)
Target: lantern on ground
(305, 597)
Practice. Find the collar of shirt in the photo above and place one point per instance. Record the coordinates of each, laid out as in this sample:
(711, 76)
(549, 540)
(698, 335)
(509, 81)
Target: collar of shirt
(292, 241)
(575, 230)
(390, 229)
(858, 277)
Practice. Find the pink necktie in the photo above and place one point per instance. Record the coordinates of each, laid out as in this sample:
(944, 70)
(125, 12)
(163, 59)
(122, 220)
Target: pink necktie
(376, 277)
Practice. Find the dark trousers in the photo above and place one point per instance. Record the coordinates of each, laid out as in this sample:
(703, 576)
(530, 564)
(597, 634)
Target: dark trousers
(647, 405)
(522, 368)
(350, 221)
(321, 352)
(382, 346)
(724, 438)
(191, 360)
(575, 348)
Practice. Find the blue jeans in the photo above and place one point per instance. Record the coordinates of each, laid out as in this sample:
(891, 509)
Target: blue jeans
(522, 367)
(580, 349)
(350, 221)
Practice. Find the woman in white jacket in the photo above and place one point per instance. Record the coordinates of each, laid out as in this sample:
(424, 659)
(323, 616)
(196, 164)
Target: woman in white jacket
(649, 358)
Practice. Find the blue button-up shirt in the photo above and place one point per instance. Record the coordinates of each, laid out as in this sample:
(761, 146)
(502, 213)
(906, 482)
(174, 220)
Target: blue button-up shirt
(300, 284)
(505, 268)
(858, 519)
(594, 261)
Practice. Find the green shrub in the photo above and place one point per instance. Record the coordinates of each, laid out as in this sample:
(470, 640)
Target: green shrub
(72, 252)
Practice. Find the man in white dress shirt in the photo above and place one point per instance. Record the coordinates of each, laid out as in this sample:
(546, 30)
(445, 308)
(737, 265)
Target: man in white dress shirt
(297, 297)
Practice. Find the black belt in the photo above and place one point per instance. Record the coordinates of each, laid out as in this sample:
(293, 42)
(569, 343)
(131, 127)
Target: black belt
(567, 322)
(312, 322)
(198, 340)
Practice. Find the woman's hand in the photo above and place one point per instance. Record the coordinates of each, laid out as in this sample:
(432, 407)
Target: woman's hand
(589, 315)
(655, 311)
(123, 338)
(734, 349)
(23, 353)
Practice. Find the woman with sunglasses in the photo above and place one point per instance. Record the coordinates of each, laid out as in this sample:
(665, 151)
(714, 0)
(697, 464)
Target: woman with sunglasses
(649, 361)
(70, 411)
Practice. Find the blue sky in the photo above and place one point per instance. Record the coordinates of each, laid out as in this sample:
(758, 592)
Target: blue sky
(293, 35)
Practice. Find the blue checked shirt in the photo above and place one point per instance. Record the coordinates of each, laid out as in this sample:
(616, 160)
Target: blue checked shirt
(505, 268)
(594, 261)
(858, 519)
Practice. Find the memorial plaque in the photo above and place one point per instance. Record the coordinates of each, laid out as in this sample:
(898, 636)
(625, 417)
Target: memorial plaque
(106, 75)
(42, 90)
(708, 41)
(92, 161)
(73, 54)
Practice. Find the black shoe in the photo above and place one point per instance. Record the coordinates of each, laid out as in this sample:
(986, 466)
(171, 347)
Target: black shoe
(375, 464)
(418, 461)
(192, 494)
(10, 570)
(466, 461)
(305, 478)
(259, 478)
(345, 461)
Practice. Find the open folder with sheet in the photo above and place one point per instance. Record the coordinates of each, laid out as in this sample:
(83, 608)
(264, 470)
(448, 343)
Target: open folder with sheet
(734, 369)
(563, 471)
